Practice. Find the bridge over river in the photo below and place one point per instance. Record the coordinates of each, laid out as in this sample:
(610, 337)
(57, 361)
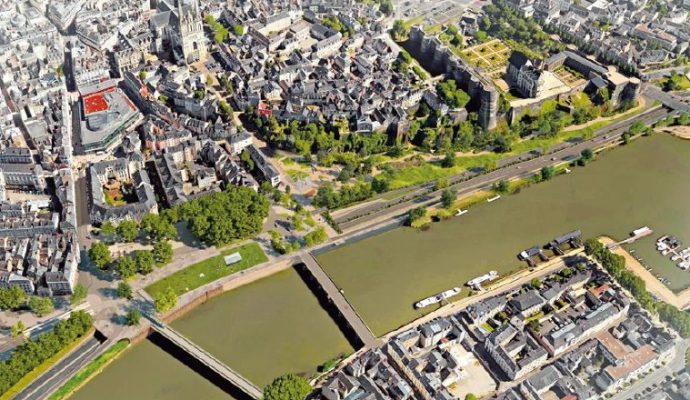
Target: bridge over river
(208, 360)
(346, 313)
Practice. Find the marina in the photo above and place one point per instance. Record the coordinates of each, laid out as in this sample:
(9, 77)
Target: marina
(670, 246)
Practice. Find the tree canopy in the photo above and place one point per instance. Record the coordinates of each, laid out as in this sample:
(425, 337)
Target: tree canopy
(287, 387)
(100, 255)
(219, 218)
(33, 352)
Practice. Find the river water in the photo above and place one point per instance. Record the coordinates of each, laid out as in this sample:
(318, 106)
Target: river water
(276, 325)
(261, 330)
(643, 183)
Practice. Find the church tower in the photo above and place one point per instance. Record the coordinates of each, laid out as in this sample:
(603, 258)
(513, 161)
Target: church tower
(191, 32)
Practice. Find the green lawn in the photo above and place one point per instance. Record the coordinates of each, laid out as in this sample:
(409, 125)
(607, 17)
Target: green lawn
(296, 175)
(36, 372)
(209, 270)
(91, 369)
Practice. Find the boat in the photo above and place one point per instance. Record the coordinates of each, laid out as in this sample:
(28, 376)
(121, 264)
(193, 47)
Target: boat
(437, 298)
(460, 212)
(479, 280)
(567, 170)
(643, 231)
(684, 265)
(489, 200)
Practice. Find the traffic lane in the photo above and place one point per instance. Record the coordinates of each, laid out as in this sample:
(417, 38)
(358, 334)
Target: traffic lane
(38, 386)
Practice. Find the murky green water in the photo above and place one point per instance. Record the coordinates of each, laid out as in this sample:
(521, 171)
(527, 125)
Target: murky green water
(261, 330)
(644, 183)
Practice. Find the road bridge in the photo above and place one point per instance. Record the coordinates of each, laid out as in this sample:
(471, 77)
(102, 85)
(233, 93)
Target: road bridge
(208, 360)
(335, 298)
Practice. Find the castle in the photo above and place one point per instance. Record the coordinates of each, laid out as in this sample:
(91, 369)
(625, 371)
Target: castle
(438, 59)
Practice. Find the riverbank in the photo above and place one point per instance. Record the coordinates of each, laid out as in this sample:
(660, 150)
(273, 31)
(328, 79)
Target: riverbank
(680, 299)
(682, 132)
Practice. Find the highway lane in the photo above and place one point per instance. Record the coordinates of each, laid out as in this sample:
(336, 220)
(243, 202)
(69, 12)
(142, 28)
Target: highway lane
(55, 376)
(603, 137)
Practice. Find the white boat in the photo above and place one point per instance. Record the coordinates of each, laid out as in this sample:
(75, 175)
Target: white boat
(437, 298)
(684, 265)
(460, 212)
(645, 230)
(486, 277)
(489, 200)
(567, 170)
(449, 293)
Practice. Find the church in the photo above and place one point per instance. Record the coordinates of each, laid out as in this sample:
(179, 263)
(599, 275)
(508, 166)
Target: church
(178, 31)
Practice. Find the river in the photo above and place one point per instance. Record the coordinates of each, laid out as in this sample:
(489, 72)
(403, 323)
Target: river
(643, 183)
(276, 325)
(261, 330)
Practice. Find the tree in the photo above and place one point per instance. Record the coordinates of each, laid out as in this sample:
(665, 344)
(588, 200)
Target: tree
(502, 186)
(536, 283)
(317, 236)
(386, 7)
(587, 154)
(684, 119)
(449, 160)
(12, 298)
(415, 214)
(107, 228)
(547, 173)
(35, 351)
(247, 159)
(133, 316)
(128, 230)
(481, 36)
(162, 252)
(380, 184)
(165, 300)
(158, 228)
(238, 29)
(451, 94)
(126, 267)
(225, 108)
(124, 290)
(400, 30)
(145, 261)
(41, 306)
(448, 197)
(18, 329)
(142, 74)
(99, 253)
(78, 294)
(287, 387)
(218, 218)
(470, 396)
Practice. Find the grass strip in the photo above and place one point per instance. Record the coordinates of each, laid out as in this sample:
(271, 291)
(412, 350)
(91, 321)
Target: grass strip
(89, 371)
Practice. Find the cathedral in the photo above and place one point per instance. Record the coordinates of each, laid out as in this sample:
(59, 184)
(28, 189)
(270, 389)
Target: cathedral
(179, 32)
